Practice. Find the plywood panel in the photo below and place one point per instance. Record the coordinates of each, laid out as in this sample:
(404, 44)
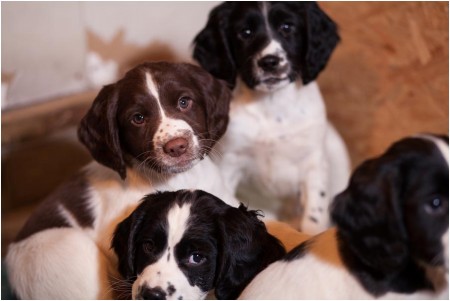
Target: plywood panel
(389, 76)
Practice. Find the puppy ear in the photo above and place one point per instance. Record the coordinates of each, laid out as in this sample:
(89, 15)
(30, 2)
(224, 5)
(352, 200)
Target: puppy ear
(247, 248)
(368, 216)
(211, 47)
(123, 242)
(217, 102)
(321, 39)
(99, 133)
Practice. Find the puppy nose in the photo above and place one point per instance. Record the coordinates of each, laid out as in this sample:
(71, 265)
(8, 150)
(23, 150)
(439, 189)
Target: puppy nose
(176, 147)
(269, 62)
(155, 293)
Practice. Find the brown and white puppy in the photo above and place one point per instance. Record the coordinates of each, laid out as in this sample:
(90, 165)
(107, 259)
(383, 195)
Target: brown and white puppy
(150, 132)
(390, 239)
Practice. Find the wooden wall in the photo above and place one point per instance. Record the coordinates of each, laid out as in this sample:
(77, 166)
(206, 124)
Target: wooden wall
(388, 78)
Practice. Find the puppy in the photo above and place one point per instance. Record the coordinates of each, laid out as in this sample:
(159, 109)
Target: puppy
(149, 131)
(391, 235)
(180, 245)
(279, 144)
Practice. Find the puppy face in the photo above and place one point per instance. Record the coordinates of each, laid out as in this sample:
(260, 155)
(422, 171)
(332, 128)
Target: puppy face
(393, 216)
(161, 116)
(268, 44)
(180, 245)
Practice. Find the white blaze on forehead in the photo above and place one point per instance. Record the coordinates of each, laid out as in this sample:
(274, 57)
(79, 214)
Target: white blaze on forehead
(153, 90)
(177, 222)
(166, 271)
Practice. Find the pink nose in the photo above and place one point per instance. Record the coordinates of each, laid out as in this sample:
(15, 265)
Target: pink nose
(176, 147)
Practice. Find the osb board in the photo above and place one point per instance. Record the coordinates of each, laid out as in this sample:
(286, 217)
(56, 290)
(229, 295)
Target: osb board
(388, 78)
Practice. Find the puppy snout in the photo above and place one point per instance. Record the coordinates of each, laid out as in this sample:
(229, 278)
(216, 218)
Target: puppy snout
(148, 293)
(269, 62)
(176, 147)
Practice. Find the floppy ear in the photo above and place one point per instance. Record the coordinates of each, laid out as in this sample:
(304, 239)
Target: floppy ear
(211, 47)
(99, 133)
(368, 216)
(217, 102)
(123, 242)
(321, 39)
(247, 248)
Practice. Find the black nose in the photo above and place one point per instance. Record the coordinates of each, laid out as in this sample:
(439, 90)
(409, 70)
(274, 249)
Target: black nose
(269, 62)
(176, 147)
(155, 293)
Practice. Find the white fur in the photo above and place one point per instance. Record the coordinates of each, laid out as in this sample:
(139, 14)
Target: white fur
(281, 145)
(166, 268)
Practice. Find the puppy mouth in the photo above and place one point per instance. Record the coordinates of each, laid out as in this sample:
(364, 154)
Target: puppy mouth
(273, 80)
(180, 166)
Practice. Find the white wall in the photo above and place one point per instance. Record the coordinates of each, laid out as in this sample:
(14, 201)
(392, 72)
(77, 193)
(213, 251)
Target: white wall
(47, 47)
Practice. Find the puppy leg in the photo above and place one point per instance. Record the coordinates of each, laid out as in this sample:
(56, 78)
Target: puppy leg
(338, 161)
(59, 263)
(315, 196)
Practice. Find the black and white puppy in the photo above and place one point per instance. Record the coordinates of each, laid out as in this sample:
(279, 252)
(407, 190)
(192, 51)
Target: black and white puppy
(391, 235)
(180, 245)
(150, 131)
(279, 142)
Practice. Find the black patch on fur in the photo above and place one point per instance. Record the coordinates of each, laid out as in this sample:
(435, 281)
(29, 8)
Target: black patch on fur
(385, 219)
(73, 197)
(170, 289)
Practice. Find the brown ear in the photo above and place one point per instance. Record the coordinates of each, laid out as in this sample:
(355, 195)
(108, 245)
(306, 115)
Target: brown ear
(99, 133)
(218, 107)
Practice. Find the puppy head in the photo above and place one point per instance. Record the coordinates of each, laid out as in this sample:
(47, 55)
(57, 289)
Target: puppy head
(180, 245)
(268, 44)
(395, 209)
(161, 116)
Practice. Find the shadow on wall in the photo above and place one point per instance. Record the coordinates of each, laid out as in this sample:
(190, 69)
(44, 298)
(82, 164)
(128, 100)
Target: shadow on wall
(108, 61)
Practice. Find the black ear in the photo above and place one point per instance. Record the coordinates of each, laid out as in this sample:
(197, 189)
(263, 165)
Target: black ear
(211, 46)
(247, 248)
(99, 133)
(321, 39)
(123, 242)
(368, 215)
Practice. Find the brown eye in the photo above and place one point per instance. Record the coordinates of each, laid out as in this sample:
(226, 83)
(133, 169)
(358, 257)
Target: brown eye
(138, 119)
(245, 33)
(286, 29)
(184, 103)
(148, 246)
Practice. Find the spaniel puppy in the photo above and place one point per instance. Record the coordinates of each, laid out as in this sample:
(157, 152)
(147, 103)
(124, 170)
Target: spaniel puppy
(180, 245)
(279, 145)
(391, 235)
(150, 131)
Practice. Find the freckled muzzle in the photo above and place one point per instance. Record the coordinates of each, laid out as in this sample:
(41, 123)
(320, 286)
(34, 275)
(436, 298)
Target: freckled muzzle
(176, 147)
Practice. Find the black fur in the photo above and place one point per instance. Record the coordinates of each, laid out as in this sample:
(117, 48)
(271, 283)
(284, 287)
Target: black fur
(234, 241)
(220, 48)
(393, 215)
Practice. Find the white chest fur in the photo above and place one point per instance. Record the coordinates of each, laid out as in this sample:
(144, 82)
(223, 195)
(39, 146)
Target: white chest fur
(273, 135)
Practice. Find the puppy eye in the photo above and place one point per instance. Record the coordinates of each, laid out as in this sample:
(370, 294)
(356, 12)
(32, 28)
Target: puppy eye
(138, 119)
(286, 29)
(196, 259)
(184, 103)
(435, 206)
(245, 33)
(148, 246)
